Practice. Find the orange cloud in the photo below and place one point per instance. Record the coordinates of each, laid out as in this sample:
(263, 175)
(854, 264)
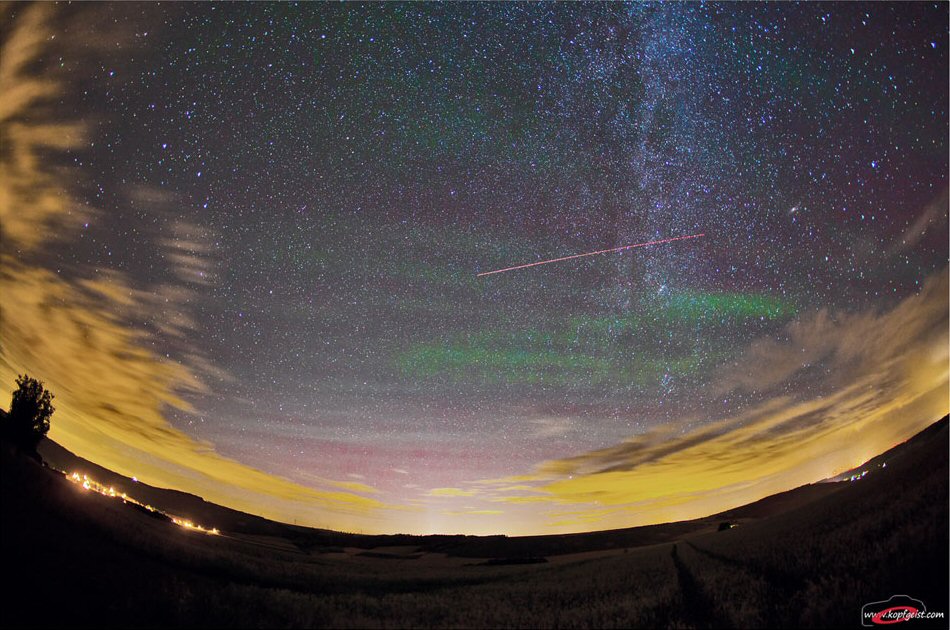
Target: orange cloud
(31, 204)
(873, 379)
(72, 331)
(885, 377)
(451, 492)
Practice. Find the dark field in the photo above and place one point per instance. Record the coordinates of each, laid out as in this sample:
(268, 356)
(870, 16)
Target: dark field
(809, 558)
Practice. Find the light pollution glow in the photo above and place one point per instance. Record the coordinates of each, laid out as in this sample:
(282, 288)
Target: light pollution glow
(87, 483)
(886, 378)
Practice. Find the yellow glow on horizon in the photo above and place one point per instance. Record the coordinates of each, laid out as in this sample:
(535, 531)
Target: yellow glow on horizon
(450, 492)
(73, 334)
(888, 374)
(896, 386)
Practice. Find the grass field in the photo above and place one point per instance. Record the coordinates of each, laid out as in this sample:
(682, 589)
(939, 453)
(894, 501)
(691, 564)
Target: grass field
(76, 558)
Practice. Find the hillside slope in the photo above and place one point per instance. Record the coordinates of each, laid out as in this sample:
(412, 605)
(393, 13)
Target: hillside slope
(814, 565)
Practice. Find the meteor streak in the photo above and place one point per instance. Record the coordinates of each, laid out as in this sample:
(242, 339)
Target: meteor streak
(602, 251)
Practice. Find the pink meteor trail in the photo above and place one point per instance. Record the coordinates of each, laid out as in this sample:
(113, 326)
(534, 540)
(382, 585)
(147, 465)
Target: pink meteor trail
(603, 251)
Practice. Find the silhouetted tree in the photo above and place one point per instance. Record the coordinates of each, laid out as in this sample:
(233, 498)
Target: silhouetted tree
(30, 411)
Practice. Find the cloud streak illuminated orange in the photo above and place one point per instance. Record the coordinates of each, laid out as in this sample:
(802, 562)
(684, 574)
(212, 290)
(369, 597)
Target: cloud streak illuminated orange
(883, 377)
(72, 330)
(840, 389)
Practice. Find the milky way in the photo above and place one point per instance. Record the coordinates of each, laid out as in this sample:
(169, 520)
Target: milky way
(262, 232)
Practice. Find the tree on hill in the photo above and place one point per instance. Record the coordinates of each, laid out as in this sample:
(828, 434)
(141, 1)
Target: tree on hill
(30, 411)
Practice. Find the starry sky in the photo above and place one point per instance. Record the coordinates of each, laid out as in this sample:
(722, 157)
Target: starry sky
(240, 244)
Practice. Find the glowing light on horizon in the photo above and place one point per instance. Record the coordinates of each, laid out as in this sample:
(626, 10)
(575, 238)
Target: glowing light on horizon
(194, 526)
(602, 251)
(87, 483)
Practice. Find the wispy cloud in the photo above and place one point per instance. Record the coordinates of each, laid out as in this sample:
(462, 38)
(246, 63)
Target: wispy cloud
(451, 492)
(552, 427)
(932, 217)
(837, 390)
(32, 205)
(73, 330)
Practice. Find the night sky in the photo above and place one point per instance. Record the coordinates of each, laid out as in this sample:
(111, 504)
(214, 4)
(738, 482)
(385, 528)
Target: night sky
(240, 245)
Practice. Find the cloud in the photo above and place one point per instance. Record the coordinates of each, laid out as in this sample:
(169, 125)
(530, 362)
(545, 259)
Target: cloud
(845, 344)
(354, 486)
(835, 389)
(31, 202)
(189, 251)
(451, 492)
(111, 393)
(349, 486)
(73, 331)
(934, 215)
(551, 427)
